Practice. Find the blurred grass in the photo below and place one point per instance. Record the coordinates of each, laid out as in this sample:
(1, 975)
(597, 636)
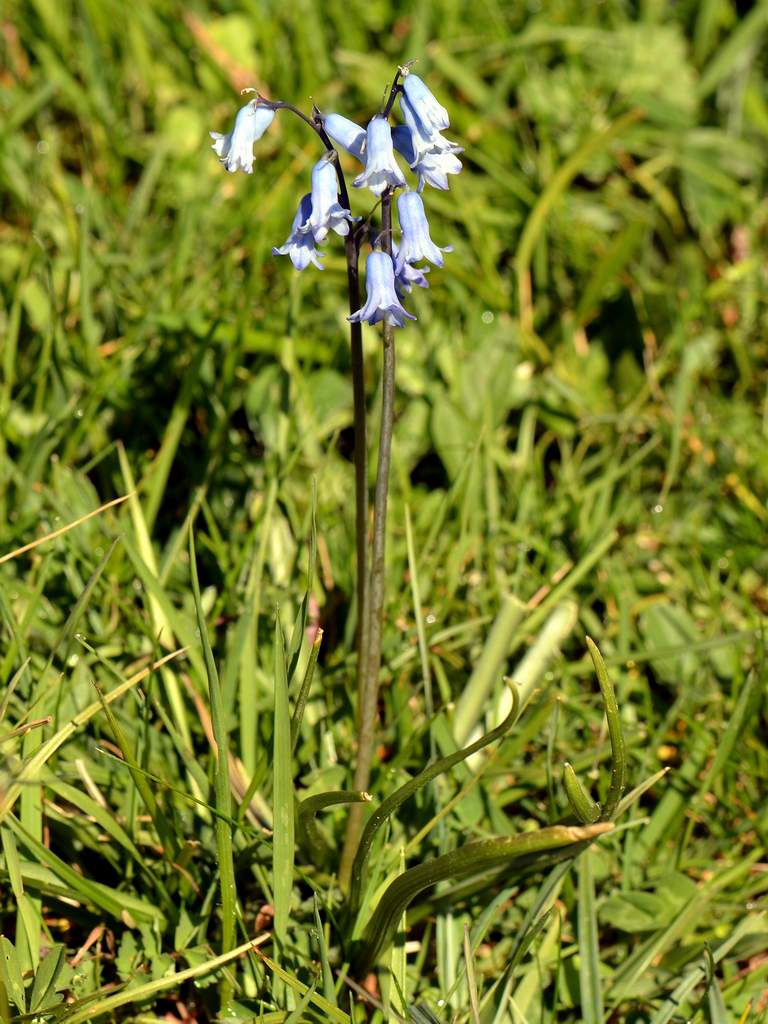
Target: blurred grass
(581, 416)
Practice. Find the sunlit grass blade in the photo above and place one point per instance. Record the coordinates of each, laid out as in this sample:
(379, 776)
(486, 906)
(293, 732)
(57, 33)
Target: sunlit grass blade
(332, 1012)
(487, 669)
(160, 619)
(30, 769)
(63, 529)
(634, 794)
(472, 859)
(283, 798)
(98, 1004)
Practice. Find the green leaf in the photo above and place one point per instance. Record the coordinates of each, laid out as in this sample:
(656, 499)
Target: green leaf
(10, 974)
(282, 796)
(43, 994)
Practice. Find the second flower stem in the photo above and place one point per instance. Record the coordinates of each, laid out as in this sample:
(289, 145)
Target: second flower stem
(369, 637)
(361, 464)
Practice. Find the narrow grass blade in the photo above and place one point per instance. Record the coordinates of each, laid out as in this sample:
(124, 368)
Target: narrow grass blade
(634, 794)
(671, 1006)
(282, 798)
(332, 1012)
(221, 782)
(557, 185)
(329, 989)
(469, 961)
(161, 622)
(11, 687)
(297, 1016)
(398, 962)
(421, 633)
(590, 984)
(248, 664)
(63, 529)
(159, 816)
(615, 732)
(304, 691)
(99, 1004)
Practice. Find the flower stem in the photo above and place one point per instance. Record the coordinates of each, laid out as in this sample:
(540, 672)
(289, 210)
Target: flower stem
(361, 464)
(370, 664)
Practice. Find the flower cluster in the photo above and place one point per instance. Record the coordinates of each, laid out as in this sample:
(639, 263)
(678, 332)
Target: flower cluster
(391, 268)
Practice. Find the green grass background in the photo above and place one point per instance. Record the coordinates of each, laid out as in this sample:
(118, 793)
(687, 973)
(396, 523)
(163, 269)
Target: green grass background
(581, 426)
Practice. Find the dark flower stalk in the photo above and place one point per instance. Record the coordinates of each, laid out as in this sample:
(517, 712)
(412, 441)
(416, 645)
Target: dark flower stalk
(390, 274)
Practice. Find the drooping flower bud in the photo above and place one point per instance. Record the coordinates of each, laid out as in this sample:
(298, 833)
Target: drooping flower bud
(381, 302)
(345, 133)
(430, 113)
(327, 213)
(236, 149)
(300, 245)
(381, 170)
(416, 243)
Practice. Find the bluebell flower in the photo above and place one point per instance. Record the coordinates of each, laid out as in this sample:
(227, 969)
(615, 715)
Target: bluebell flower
(416, 244)
(381, 302)
(345, 133)
(327, 213)
(424, 140)
(407, 276)
(236, 149)
(381, 170)
(432, 115)
(300, 245)
(433, 168)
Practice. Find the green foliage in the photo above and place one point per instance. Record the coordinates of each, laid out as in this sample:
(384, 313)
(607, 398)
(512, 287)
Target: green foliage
(579, 449)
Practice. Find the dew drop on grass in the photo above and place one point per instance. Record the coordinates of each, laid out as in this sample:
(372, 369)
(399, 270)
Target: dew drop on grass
(487, 317)
(657, 508)
(42, 147)
(430, 619)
